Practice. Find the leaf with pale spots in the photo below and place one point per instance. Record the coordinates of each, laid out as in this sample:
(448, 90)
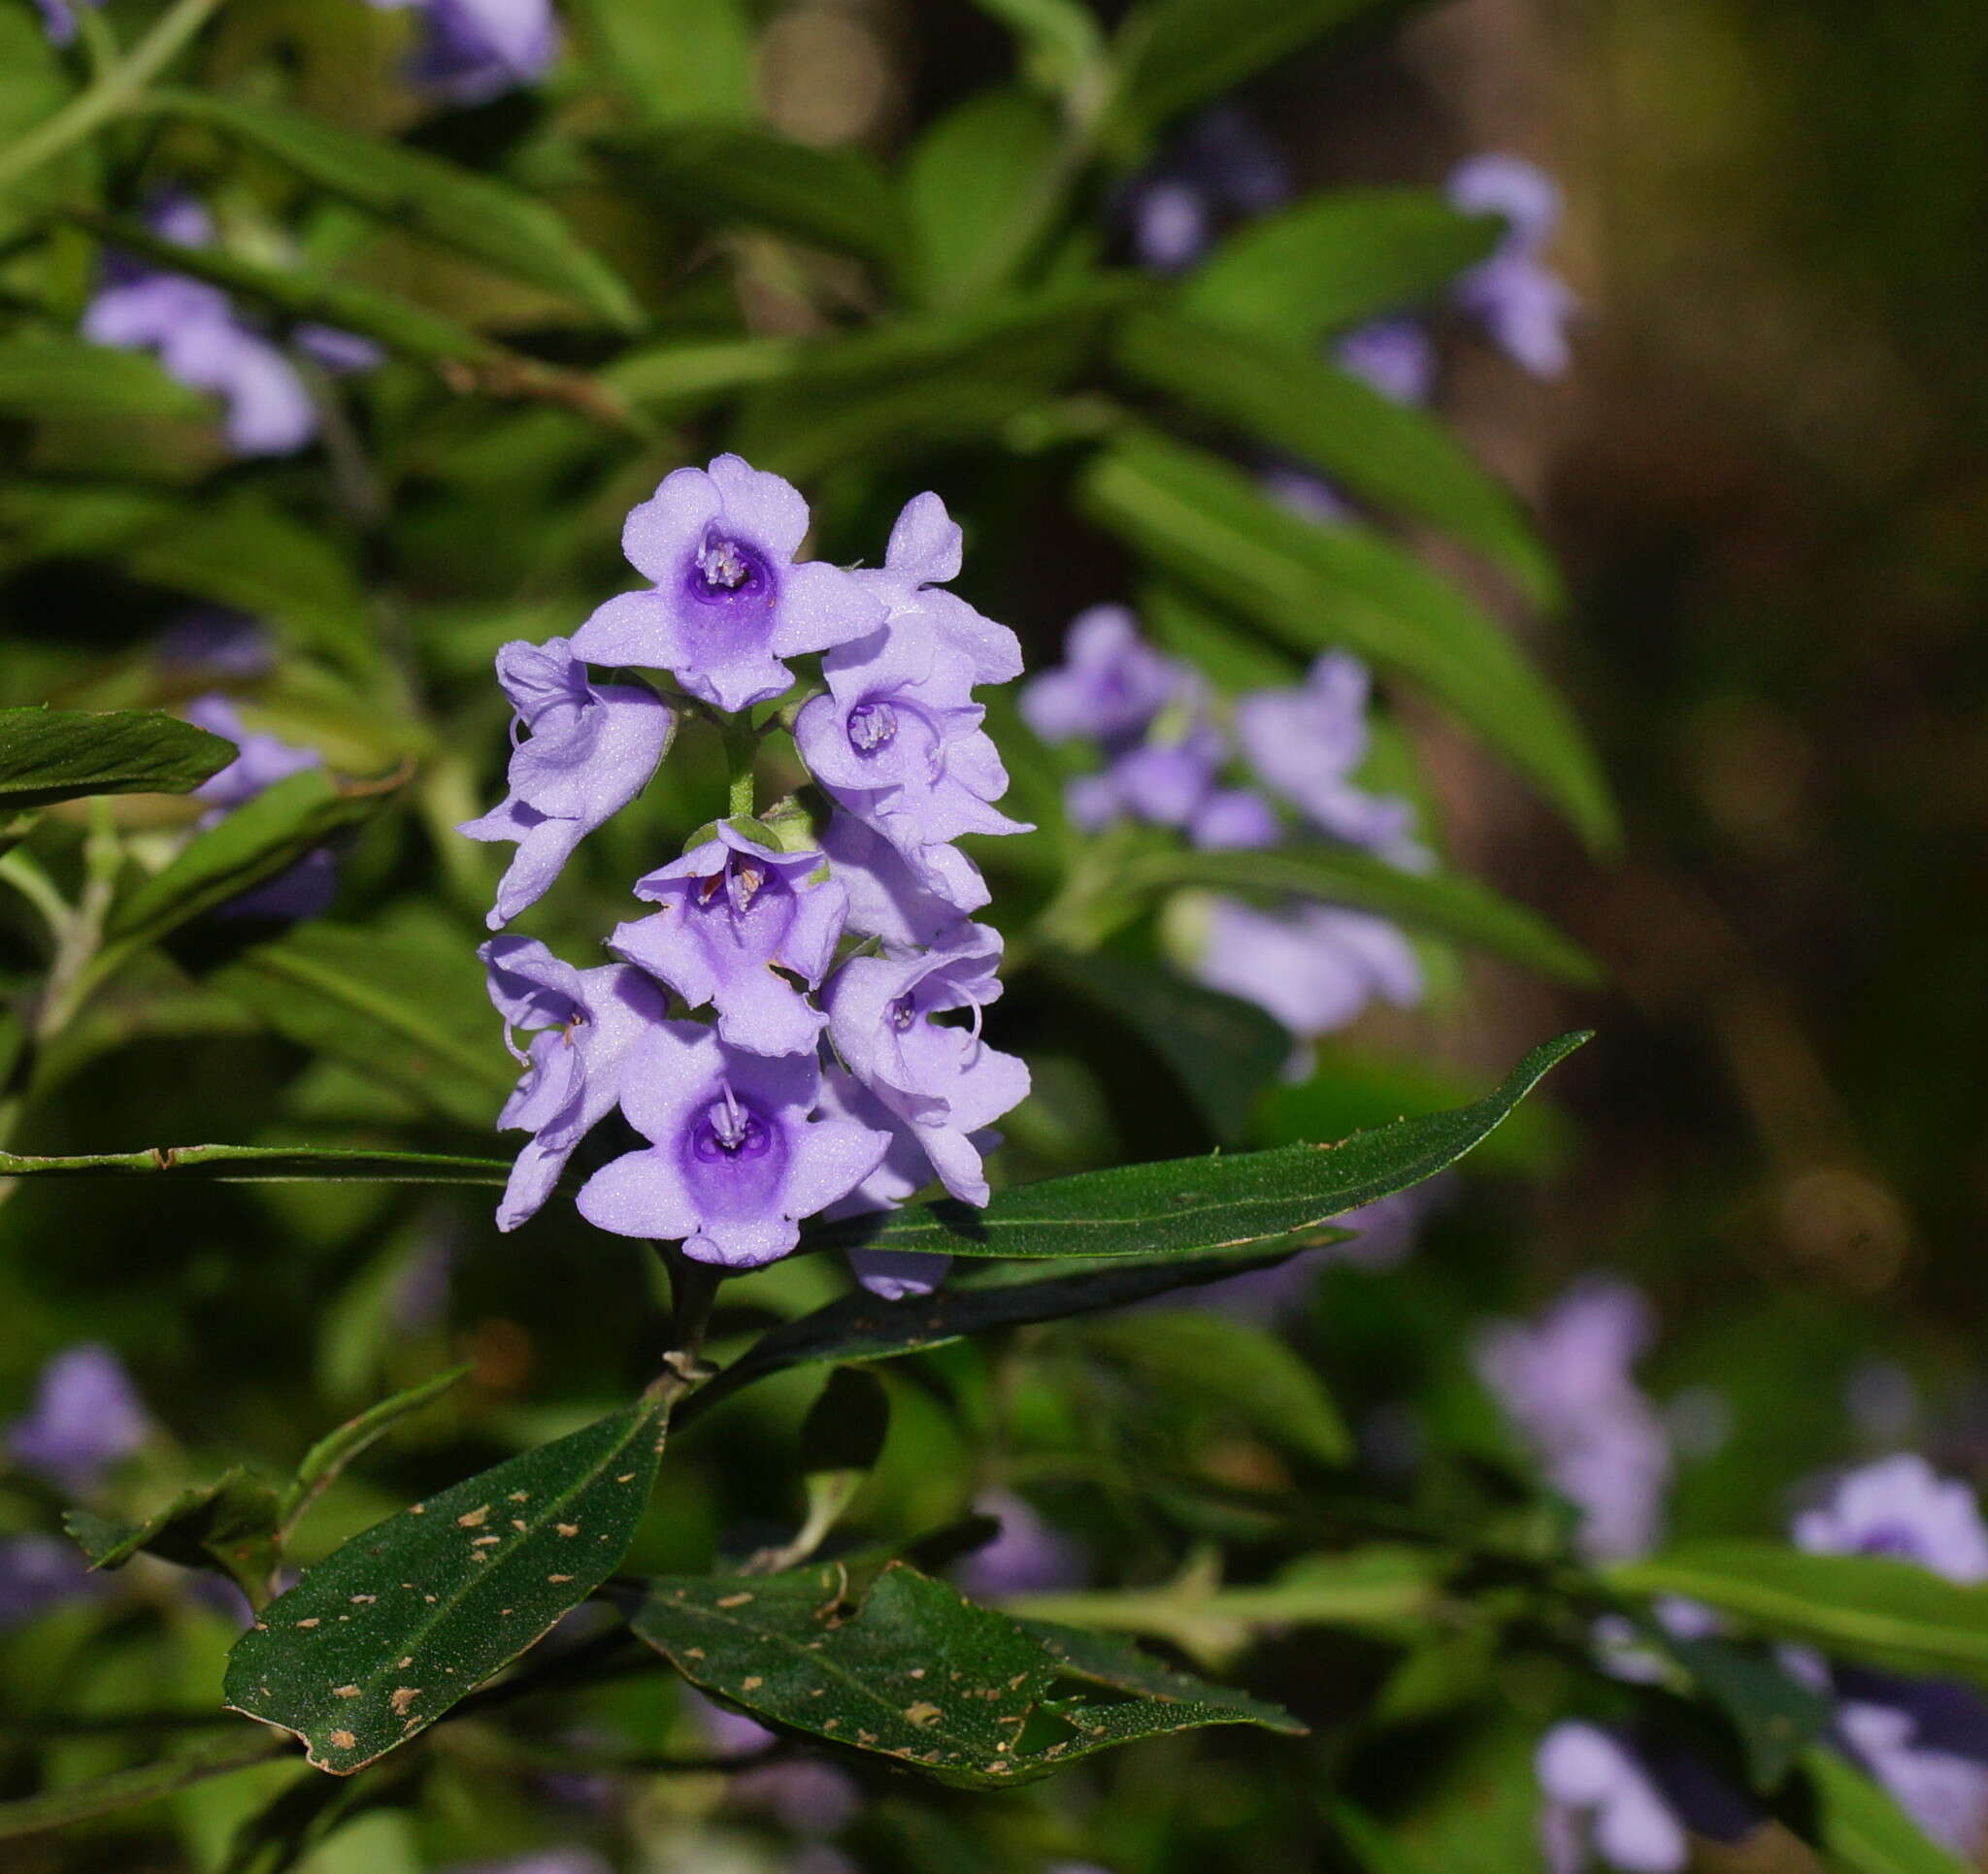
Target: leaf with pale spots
(388, 1633)
(953, 1691)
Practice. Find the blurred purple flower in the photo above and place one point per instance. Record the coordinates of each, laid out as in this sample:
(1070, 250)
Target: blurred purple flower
(1387, 1226)
(588, 1023)
(1235, 819)
(940, 1079)
(1220, 166)
(805, 1795)
(1566, 1386)
(58, 19)
(589, 752)
(728, 602)
(307, 888)
(474, 50)
(1314, 966)
(86, 1417)
(1901, 1507)
(1109, 687)
(1029, 1557)
(38, 1572)
(1600, 1804)
(734, 1161)
(1522, 304)
(1396, 357)
(217, 643)
(732, 909)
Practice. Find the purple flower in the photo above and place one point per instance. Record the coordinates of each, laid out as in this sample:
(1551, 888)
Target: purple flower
(1221, 164)
(1396, 357)
(905, 900)
(217, 642)
(38, 1572)
(474, 50)
(1171, 224)
(1314, 966)
(732, 909)
(86, 1417)
(891, 1274)
(1566, 1386)
(1600, 1803)
(343, 353)
(1522, 304)
(1307, 741)
(307, 888)
(1901, 1507)
(1109, 687)
(941, 1079)
(734, 1161)
(58, 19)
(1166, 780)
(897, 740)
(1027, 1558)
(1235, 819)
(728, 602)
(1926, 1743)
(805, 1795)
(925, 554)
(590, 1023)
(590, 752)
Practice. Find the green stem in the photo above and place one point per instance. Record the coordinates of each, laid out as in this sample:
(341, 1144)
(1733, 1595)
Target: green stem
(20, 870)
(110, 94)
(126, 1789)
(742, 751)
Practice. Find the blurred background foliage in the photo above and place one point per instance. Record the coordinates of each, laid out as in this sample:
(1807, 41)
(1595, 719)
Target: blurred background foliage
(1763, 481)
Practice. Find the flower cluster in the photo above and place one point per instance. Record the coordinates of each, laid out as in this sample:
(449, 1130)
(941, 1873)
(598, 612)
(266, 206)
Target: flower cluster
(1165, 746)
(474, 50)
(782, 1026)
(203, 341)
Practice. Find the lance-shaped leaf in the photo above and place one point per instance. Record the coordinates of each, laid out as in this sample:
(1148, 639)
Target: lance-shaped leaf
(50, 755)
(674, 60)
(55, 378)
(1182, 1207)
(1060, 41)
(388, 1633)
(1399, 459)
(1867, 1607)
(1331, 262)
(920, 1673)
(440, 201)
(983, 186)
(265, 1165)
(257, 841)
(337, 1449)
(400, 1009)
(861, 1326)
(1858, 1824)
(228, 1526)
(1314, 587)
(1444, 904)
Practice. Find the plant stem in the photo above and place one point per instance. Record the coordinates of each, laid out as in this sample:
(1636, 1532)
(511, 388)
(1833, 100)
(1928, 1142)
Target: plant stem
(742, 751)
(126, 1789)
(20, 870)
(110, 94)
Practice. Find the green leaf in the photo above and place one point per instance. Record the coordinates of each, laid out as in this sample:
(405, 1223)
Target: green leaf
(1314, 587)
(720, 173)
(129, 1789)
(1399, 459)
(681, 380)
(300, 293)
(957, 1693)
(675, 61)
(249, 556)
(983, 186)
(266, 1165)
(1182, 1208)
(54, 378)
(256, 841)
(1223, 1051)
(1775, 1717)
(938, 379)
(228, 1526)
(50, 755)
(388, 1633)
(861, 1326)
(1205, 1359)
(1061, 43)
(1445, 905)
(1866, 1608)
(403, 1011)
(418, 194)
(1177, 53)
(1859, 1825)
(333, 1452)
(1331, 262)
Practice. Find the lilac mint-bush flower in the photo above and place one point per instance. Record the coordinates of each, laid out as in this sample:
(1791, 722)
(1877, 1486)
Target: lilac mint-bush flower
(307, 888)
(734, 1161)
(474, 50)
(1029, 1557)
(1220, 165)
(86, 1417)
(592, 750)
(905, 902)
(728, 600)
(1602, 1804)
(1902, 1508)
(939, 1078)
(588, 1024)
(1520, 302)
(38, 1572)
(1108, 688)
(1395, 356)
(924, 555)
(732, 909)
(1314, 966)
(1566, 1384)
(58, 19)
